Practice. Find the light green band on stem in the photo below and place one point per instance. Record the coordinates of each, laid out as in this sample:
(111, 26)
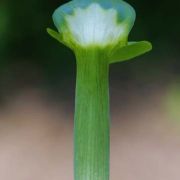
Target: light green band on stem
(91, 131)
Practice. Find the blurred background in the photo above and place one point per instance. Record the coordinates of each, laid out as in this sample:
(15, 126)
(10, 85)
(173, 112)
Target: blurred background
(37, 86)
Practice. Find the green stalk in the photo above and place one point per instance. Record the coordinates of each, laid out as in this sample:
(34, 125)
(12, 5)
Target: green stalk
(91, 129)
(97, 32)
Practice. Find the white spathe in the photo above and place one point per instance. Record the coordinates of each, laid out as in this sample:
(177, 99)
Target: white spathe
(95, 26)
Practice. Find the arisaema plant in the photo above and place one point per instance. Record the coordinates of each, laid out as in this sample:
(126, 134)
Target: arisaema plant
(97, 32)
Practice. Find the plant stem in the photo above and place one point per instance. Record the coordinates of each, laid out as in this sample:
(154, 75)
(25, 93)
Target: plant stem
(91, 129)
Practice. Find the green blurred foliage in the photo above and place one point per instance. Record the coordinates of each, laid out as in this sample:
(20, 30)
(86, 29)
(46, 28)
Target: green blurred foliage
(172, 101)
(4, 20)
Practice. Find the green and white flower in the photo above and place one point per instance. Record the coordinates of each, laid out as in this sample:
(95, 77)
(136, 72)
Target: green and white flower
(97, 31)
(103, 24)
